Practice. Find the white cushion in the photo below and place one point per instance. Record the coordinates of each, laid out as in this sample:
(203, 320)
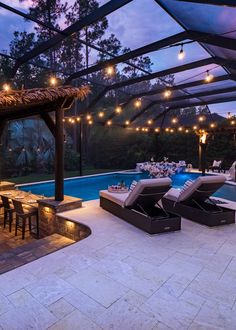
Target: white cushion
(127, 199)
(173, 194)
(216, 163)
(195, 185)
(118, 198)
(144, 184)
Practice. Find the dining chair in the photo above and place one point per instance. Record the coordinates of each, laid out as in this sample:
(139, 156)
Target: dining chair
(8, 212)
(24, 213)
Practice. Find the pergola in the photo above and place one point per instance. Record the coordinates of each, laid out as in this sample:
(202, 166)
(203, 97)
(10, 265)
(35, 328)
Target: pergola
(42, 102)
(200, 22)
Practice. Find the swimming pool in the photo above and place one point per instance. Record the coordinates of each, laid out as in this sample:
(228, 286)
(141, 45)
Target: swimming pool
(88, 187)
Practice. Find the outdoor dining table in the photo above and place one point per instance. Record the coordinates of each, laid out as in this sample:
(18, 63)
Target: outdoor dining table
(22, 196)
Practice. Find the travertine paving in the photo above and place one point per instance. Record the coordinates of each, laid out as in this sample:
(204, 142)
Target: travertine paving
(121, 278)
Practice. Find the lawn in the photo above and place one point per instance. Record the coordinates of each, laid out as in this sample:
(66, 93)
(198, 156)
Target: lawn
(44, 177)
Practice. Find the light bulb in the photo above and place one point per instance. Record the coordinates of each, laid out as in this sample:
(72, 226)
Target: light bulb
(101, 114)
(6, 87)
(127, 122)
(110, 70)
(109, 122)
(157, 130)
(149, 122)
(89, 117)
(174, 120)
(78, 118)
(138, 103)
(181, 54)
(53, 81)
(209, 76)
(167, 93)
(90, 122)
(118, 109)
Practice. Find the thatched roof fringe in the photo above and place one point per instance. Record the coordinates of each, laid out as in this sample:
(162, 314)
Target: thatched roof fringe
(41, 95)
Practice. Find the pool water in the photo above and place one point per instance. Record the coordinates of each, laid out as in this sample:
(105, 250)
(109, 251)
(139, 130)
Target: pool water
(88, 188)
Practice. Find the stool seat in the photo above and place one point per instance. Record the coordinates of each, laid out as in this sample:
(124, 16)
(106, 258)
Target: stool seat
(24, 213)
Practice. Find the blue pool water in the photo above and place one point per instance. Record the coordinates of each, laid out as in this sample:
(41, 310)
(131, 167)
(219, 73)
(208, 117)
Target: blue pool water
(88, 188)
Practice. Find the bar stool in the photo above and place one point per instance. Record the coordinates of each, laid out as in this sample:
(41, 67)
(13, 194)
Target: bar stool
(8, 212)
(24, 213)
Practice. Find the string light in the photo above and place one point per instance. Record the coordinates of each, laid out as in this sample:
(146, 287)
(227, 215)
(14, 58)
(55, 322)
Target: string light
(53, 81)
(90, 122)
(149, 122)
(137, 103)
(195, 127)
(63, 120)
(209, 77)
(143, 129)
(101, 114)
(137, 129)
(109, 122)
(88, 117)
(181, 54)
(167, 129)
(171, 130)
(146, 129)
(167, 93)
(212, 125)
(6, 87)
(232, 122)
(187, 131)
(127, 122)
(72, 121)
(118, 109)
(110, 70)
(157, 130)
(78, 119)
(180, 129)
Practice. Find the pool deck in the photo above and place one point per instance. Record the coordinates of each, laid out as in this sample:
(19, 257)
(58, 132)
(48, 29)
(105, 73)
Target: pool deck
(122, 278)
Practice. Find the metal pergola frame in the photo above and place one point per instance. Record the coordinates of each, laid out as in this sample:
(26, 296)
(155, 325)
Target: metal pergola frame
(185, 37)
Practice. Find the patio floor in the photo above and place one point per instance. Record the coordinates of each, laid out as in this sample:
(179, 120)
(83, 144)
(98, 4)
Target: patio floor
(121, 278)
(15, 252)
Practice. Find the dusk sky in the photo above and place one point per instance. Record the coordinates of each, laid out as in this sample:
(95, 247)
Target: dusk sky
(136, 24)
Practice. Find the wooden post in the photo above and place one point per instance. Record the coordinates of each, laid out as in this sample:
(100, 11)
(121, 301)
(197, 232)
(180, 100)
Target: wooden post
(59, 156)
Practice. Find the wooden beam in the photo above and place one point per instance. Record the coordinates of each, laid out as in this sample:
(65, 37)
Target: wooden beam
(49, 122)
(59, 155)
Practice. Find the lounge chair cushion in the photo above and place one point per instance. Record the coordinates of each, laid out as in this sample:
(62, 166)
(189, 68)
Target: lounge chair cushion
(173, 194)
(128, 199)
(115, 197)
(138, 189)
(177, 195)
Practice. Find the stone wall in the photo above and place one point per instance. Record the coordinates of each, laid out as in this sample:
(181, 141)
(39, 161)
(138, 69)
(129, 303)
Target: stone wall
(50, 222)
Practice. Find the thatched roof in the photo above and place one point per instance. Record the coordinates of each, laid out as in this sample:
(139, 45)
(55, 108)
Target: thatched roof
(38, 96)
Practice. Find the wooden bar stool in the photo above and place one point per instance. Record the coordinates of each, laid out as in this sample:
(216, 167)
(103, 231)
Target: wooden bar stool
(8, 212)
(24, 213)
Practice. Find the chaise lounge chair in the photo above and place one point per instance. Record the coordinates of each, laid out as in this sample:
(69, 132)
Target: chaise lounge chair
(194, 202)
(141, 206)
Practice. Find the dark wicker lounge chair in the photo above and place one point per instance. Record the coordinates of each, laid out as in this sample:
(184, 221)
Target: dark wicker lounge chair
(195, 204)
(141, 206)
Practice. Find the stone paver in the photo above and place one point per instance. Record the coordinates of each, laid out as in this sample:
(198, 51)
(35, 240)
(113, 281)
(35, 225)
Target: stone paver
(121, 278)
